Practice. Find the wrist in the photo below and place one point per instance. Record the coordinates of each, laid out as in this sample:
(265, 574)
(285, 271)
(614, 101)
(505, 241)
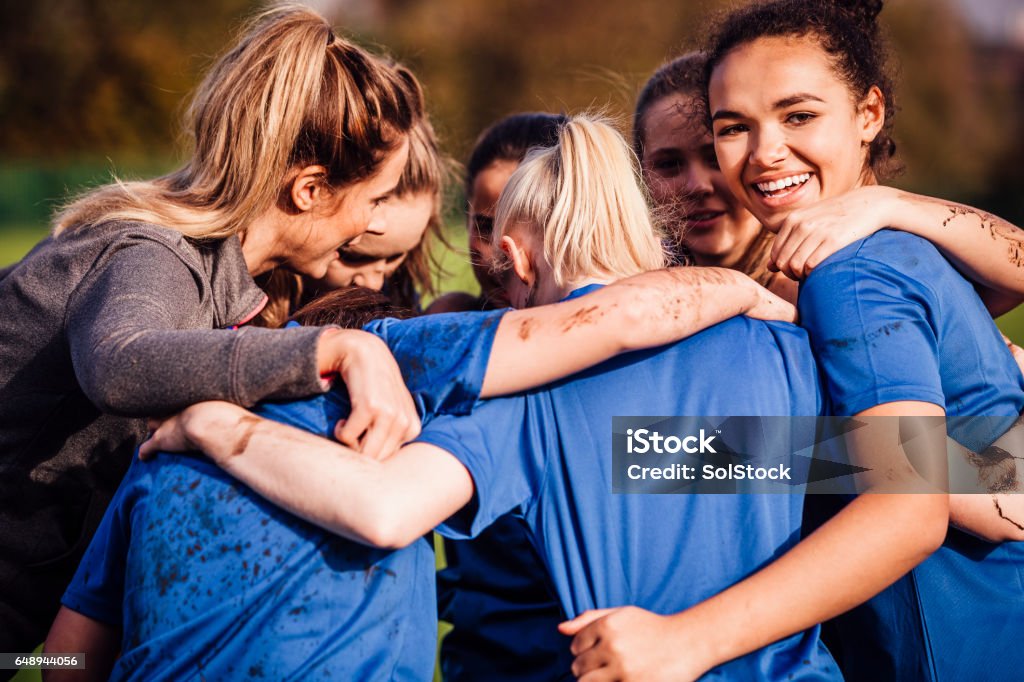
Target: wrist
(220, 430)
(706, 646)
(330, 352)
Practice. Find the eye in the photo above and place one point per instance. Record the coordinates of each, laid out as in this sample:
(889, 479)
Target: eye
(483, 225)
(667, 166)
(709, 158)
(800, 118)
(731, 130)
(354, 258)
(380, 201)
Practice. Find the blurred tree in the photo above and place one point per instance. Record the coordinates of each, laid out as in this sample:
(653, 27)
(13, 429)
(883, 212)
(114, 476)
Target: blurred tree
(106, 78)
(98, 77)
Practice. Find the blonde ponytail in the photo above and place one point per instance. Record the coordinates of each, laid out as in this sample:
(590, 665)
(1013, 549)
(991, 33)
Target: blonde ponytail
(585, 195)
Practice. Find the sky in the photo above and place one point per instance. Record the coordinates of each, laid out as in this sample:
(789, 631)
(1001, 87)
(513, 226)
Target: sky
(1001, 20)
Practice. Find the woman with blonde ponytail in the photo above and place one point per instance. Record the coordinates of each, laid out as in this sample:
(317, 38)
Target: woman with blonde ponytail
(128, 310)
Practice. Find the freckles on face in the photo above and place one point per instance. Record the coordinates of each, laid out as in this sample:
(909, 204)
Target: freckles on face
(787, 130)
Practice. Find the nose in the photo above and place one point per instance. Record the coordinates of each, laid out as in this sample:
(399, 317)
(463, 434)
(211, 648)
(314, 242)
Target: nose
(371, 278)
(698, 180)
(378, 222)
(767, 147)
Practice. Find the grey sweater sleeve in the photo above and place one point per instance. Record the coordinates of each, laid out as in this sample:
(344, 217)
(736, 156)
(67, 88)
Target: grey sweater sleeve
(132, 332)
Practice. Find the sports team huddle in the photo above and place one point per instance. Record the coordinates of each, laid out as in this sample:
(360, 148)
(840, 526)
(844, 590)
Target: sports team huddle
(229, 427)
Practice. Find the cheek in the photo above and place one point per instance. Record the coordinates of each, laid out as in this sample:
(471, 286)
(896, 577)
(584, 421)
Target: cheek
(479, 245)
(723, 192)
(730, 163)
(665, 190)
(339, 275)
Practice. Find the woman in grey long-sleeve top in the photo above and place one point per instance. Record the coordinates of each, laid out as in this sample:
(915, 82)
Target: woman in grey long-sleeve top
(124, 312)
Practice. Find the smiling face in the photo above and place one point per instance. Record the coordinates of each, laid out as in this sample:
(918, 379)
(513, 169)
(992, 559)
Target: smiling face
(683, 177)
(310, 243)
(381, 250)
(787, 131)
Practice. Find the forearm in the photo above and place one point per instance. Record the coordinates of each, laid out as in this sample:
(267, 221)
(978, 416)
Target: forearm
(863, 549)
(901, 517)
(993, 518)
(995, 510)
(145, 372)
(141, 343)
(535, 346)
(987, 248)
(386, 503)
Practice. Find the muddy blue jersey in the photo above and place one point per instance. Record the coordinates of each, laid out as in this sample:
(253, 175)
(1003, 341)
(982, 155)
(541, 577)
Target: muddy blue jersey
(547, 457)
(891, 320)
(209, 581)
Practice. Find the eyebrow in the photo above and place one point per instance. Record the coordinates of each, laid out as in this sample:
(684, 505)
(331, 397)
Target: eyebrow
(783, 103)
(389, 193)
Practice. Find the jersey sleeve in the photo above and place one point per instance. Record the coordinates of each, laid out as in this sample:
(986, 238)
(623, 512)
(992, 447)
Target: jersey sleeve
(499, 446)
(443, 358)
(97, 590)
(871, 328)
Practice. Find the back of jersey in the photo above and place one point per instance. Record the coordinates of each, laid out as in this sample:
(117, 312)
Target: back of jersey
(549, 454)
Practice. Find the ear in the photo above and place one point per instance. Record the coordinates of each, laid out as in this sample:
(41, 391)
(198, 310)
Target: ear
(871, 114)
(308, 188)
(522, 266)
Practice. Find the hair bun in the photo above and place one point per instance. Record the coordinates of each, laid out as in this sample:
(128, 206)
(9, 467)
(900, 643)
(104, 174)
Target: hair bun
(863, 12)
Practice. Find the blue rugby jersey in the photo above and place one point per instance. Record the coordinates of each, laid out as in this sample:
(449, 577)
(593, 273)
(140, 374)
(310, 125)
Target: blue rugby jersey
(547, 456)
(891, 320)
(210, 581)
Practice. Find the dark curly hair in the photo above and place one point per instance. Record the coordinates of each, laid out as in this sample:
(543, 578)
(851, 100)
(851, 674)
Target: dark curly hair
(848, 32)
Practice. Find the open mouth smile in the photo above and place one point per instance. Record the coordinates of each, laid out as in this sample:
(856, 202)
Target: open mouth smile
(776, 189)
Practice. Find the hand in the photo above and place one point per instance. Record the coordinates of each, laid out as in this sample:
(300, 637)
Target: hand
(768, 306)
(810, 235)
(383, 414)
(629, 643)
(192, 427)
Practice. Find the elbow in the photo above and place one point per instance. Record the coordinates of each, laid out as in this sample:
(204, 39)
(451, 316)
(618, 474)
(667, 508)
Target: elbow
(104, 396)
(931, 531)
(388, 536)
(110, 391)
(386, 526)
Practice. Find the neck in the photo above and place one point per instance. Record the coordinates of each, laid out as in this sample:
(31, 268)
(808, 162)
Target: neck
(258, 241)
(586, 281)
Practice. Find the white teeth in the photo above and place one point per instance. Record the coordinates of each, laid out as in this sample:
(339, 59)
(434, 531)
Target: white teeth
(782, 183)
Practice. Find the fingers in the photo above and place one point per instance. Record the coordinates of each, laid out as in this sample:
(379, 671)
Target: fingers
(590, 634)
(350, 431)
(787, 241)
(377, 428)
(571, 627)
(593, 662)
(383, 437)
(148, 449)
